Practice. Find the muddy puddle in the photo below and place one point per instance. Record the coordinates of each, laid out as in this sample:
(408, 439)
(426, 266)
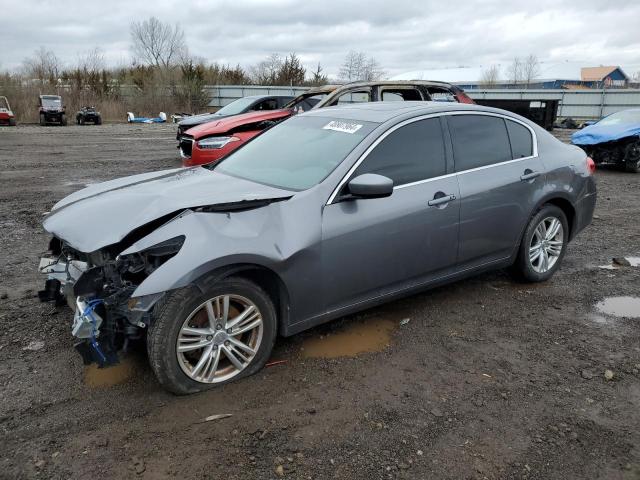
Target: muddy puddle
(95, 377)
(354, 338)
(628, 307)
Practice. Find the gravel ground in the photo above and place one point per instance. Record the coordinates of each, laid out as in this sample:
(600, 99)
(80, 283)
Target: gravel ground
(485, 378)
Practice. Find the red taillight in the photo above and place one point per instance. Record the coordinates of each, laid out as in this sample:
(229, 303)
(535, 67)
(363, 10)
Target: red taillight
(464, 98)
(591, 165)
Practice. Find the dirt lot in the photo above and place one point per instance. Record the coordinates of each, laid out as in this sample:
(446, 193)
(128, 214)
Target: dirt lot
(487, 379)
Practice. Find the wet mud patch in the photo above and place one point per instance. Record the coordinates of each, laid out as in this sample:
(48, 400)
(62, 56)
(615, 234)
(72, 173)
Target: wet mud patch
(96, 377)
(352, 339)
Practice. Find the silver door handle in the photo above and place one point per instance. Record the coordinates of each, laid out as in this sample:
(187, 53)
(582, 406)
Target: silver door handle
(441, 200)
(529, 176)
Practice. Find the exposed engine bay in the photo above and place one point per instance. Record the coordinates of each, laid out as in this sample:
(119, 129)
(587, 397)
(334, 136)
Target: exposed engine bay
(98, 286)
(624, 153)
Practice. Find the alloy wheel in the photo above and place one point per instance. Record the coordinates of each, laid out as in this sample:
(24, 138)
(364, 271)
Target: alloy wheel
(546, 244)
(219, 339)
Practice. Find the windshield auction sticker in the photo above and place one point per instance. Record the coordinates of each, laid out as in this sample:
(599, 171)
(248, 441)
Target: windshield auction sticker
(345, 127)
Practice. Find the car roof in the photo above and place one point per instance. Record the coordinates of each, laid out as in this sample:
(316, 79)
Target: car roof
(265, 96)
(380, 112)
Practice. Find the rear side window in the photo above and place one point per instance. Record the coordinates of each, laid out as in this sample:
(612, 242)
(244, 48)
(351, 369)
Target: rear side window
(520, 138)
(411, 153)
(400, 94)
(478, 141)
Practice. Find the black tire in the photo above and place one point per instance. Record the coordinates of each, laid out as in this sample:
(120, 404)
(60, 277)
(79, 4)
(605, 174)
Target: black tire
(632, 157)
(98, 121)
(169, 316)
(63, 120)
(522, 269)
(43, 120)
(12, 122)
(77, 120)
(81, 121)
(632, 167)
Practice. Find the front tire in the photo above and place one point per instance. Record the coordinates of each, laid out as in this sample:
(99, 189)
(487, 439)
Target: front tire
(63, 120)
(12, 122)
(198, 341)
(43, 120)
(543, 245)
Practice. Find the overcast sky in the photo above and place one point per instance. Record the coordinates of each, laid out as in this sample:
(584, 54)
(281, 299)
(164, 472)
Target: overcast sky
(402, 35)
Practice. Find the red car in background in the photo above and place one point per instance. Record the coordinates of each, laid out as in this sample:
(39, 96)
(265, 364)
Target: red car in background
(211, 141)
(6, 115)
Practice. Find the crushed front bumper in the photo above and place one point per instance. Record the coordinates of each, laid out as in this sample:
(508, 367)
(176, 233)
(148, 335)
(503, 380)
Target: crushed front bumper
(62, 275)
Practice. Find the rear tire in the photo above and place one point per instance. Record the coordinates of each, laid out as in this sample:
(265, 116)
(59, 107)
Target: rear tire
(185, 309)
(12, 122)
(98, 121)
(632, 157)
(632, 166)
(541, 250)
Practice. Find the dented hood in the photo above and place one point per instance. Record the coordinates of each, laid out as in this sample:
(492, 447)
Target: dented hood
(104, 213)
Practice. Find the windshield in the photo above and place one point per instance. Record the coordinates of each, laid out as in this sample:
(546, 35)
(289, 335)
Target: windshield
(626, 116)
(306, 102)
(297, 154)
(51, 101)
(236, 107)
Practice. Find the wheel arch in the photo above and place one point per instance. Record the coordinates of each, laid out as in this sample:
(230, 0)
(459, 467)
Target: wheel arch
(564, 204)
(262, 276)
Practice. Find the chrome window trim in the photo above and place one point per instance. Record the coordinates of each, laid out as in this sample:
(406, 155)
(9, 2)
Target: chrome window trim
(366, 153)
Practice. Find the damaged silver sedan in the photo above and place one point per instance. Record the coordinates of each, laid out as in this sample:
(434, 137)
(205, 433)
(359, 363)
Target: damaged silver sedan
(328, 213)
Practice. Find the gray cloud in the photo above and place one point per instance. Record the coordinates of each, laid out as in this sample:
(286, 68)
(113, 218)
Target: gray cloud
(403, 35)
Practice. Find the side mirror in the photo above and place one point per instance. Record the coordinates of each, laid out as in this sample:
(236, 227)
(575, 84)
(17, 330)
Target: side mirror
(371, 185)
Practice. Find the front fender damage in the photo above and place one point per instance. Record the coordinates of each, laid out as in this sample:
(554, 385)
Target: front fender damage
(113, 294)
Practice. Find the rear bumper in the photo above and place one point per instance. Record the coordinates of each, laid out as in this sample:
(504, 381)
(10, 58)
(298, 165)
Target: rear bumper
(585, 208)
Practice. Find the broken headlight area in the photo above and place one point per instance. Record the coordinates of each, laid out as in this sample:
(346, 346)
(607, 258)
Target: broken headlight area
(623, 152)
(99, 288)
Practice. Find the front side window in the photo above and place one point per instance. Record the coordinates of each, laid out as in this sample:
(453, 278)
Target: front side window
(411, 153)
(270, 104)
(478, 141)
(297, 154)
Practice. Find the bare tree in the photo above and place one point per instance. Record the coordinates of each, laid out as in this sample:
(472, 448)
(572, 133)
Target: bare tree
(352, 67)
(266, 72)
(91, 61)
(490, 76)
(43, 66)
(357, 66)
(530, 69)
(372, 70)
(157, 44)
(515, 71)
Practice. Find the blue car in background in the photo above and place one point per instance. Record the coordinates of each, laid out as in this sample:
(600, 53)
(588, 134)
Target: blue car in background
(613, 140)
